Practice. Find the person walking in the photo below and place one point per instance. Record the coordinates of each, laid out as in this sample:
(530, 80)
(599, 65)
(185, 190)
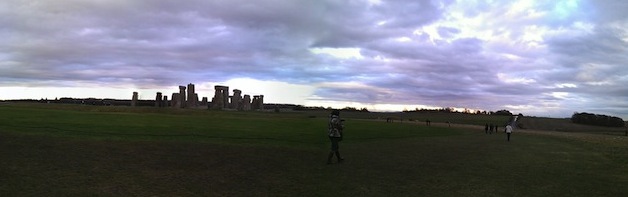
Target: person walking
(335, 128)
(486, 128)
(490, 128)
(508, 132)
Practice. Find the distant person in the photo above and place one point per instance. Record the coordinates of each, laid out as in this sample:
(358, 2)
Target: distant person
(508, 132)
(486, 128)
(496, 126)
(335, 128)
(490, 128)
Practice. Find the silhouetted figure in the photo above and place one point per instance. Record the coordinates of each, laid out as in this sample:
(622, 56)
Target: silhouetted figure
(486, 128)
(335, 128)
(496, 128)
(490, 128)
(428, 122)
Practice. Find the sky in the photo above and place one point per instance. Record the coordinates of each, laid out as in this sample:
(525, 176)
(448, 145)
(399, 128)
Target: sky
(540, 58)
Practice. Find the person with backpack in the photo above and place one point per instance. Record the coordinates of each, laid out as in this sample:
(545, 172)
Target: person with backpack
(335, 127)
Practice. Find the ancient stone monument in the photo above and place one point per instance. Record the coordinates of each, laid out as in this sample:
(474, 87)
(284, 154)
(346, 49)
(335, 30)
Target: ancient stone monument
(204, 102)
(246, 103)
(175, 100)
(196, 101)
(221, 97)
(181, 101)
(158, 101)
(236, 100)
(134, 99)
(192, 97)
(258, 102)
(255, 102)
(225, 97)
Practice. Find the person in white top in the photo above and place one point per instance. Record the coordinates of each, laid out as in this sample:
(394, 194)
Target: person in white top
(508, 131)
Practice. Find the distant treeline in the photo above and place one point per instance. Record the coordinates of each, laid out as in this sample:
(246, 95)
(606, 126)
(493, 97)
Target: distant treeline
(597, 120)
(86, 101)
(502, 112)
(305, 108)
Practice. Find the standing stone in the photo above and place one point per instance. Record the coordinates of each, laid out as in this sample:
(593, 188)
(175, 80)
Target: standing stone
(225, 96)
(260, 102)
(246, 103)
(134, 99)
(165, 104)
(221, 97)
(218, 100)
(241, 105)
(158, 102)
(174, 102)
(181, 100)
(204, 102)
(236, 99)
(196, 101)
(192, 98)
(255, 102)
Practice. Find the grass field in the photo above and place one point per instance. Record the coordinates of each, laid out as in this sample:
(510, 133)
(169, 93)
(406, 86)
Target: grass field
(73, 150)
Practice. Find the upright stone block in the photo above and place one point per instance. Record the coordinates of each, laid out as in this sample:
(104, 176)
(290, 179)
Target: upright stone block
(192, 97)
(134, 99)
(158, 101)
(196, 101)
(221, 97)
(218, 100)
(182, 100)
(236, 99)
(204, 102)
(225, 96)
(246, 103)
(175, 101)
(255, 103)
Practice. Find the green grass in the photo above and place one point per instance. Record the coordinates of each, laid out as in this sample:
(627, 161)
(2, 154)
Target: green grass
(421, 117)
(57, 150)
(565, 125)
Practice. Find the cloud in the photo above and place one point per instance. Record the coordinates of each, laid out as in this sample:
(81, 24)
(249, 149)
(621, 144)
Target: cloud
(477, 54)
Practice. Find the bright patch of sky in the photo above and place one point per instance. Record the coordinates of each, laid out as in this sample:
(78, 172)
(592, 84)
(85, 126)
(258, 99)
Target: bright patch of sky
(566, 85)
(345, 53)
(513, 79)
(564, 9)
